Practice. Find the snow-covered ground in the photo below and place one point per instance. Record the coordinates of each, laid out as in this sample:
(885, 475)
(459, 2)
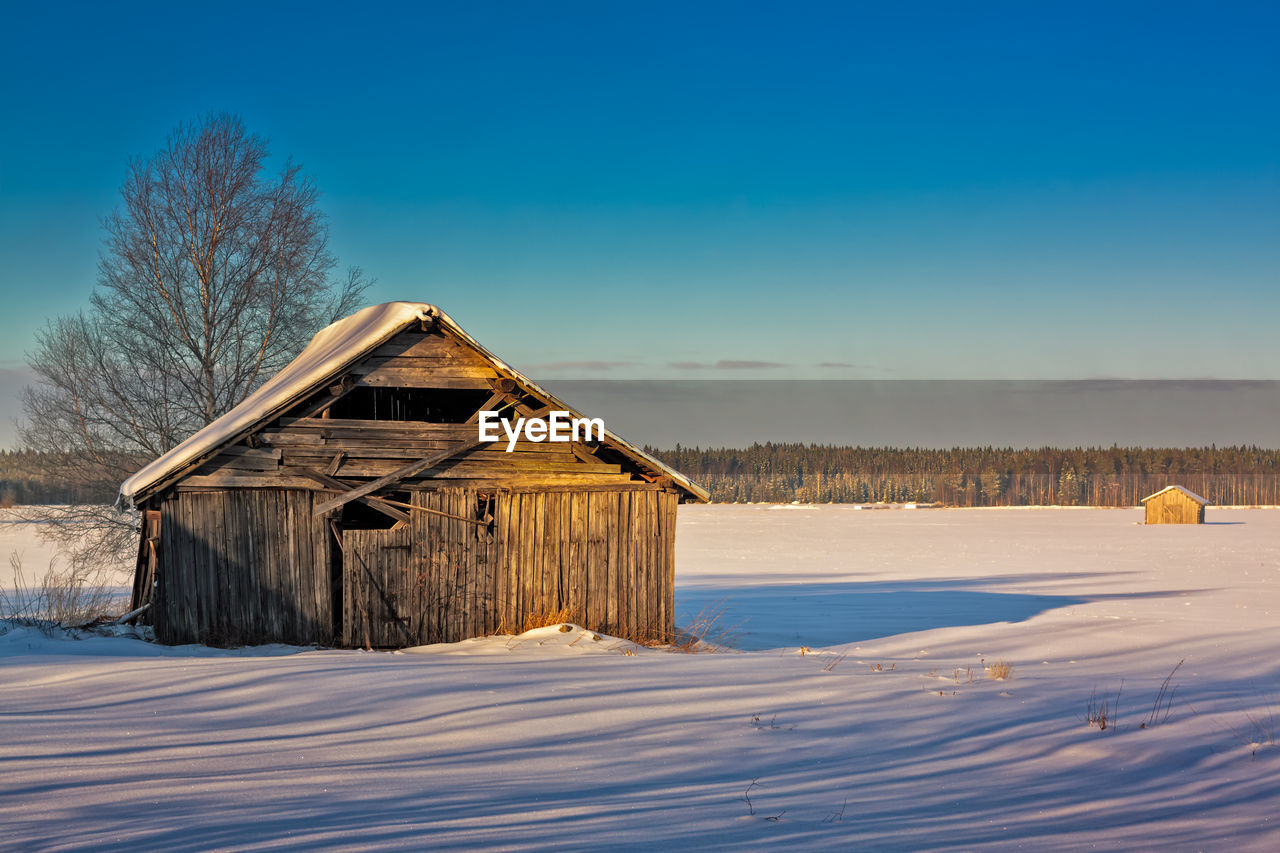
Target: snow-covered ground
(886, 733)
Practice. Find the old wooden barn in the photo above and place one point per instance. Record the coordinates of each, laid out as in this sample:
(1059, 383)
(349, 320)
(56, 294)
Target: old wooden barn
(1174, 505)
(350, 502)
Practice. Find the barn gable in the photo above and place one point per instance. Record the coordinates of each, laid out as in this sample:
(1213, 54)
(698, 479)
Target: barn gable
(405, 382)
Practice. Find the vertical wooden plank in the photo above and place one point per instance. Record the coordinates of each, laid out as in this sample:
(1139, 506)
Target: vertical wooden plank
(279, 535)
(653, 621)
(206, 573)
(350, 630)
(537, 553)
(489, 558)
(271, 587)
(661, 565)
(314, 548)
(240, 563)
(669, 547)
(220, 517)
(285, 539)
(511, 562)
(551, 552)
(168, 546)
(423, 552)
(611, 501)
(449, 566)
(183, 575)
(403, 589)
(207, 559)
(259, 568)
(464, 587)
(433, 577)
(185, 622)
(626, 565)
(598, 561)
(469, 507)
(501, 568)
(576, 558)
(639, 585)
(297, 541)
(529, 513)
(484, 578)
(563, 534)
(619, 581)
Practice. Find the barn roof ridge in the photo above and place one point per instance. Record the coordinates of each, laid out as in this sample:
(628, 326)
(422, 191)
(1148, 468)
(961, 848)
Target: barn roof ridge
(1182, 489)
(333, 350)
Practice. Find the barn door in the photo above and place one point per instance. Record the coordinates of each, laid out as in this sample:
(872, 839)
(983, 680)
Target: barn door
(379, 589)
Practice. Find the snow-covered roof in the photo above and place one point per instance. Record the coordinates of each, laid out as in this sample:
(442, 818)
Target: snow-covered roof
(1182, 489)
(334, 349)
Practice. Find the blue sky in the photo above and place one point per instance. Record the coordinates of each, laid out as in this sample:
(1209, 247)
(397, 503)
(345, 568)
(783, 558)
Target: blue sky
(729, 190)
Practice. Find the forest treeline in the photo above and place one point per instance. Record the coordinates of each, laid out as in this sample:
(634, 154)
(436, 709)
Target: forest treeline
(978, 476)
(27, 477)
(971, 476)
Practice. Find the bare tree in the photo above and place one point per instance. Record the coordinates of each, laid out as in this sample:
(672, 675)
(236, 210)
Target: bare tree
(214, 275)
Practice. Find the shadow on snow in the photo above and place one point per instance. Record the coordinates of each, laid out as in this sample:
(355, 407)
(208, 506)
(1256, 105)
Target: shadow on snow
(752, 618)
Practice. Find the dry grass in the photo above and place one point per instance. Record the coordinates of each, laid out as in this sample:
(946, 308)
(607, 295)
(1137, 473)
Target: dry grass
(1163, 705)
(541, 619)
(1000, 670)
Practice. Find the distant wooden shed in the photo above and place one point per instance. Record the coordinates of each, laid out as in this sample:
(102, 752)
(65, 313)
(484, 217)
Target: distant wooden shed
(1175, 505)
(350, 502)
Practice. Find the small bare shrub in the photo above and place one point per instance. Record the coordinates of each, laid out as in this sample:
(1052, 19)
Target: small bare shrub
(751, 809)
(837, 816)
(704, 633)
(68, 598)
(834, 661)
(1103, 713)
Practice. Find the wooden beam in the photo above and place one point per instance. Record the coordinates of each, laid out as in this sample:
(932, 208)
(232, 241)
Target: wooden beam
(338, 486)
(495, 397)
(336, 463)
(586, 454)
(423, 379)
(430, 511)
(395, 476)
(336, 393)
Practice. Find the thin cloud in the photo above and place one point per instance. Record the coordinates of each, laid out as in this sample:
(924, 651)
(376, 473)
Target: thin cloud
(730, 364)
(726, 364)
(584, 365)
(837, 364)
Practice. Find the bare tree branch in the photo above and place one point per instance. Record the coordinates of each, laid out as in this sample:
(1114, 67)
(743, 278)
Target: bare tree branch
(215, 273)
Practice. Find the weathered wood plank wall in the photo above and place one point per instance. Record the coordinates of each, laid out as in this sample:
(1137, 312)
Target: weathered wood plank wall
(242, 567)
(247, 566)
(1173, 507)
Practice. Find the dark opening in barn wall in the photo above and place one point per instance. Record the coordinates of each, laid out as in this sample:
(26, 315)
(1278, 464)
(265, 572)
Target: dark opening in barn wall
(431, 405)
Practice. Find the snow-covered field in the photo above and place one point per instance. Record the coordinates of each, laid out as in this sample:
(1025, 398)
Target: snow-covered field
(886, 734)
